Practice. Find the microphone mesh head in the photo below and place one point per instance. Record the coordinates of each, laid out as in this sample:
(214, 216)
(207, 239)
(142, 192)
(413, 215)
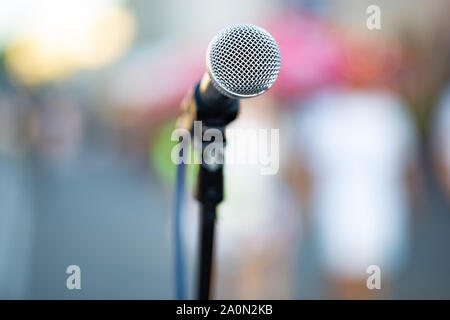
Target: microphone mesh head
(243, 61)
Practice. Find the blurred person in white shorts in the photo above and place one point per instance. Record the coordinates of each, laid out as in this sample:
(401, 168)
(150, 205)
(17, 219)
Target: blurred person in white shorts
(355, 150)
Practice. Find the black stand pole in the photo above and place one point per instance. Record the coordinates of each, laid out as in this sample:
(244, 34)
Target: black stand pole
(209, 194)
(208, 220)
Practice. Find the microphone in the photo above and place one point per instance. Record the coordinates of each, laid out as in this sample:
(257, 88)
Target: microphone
(242, 61)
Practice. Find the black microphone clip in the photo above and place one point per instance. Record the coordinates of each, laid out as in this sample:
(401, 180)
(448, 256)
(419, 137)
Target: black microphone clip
(207, 105)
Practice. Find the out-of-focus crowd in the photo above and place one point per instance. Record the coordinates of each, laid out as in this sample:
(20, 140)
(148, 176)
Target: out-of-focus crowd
(89, 96)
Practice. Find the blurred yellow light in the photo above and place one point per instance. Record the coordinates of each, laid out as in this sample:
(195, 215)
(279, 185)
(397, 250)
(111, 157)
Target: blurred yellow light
(55, 48)
(109, 37)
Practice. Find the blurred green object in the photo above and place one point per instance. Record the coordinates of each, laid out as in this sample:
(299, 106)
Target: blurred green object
(160, 157)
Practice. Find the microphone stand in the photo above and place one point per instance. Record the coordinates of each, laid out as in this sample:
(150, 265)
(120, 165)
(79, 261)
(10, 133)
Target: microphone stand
(209, 193)
(215, 112)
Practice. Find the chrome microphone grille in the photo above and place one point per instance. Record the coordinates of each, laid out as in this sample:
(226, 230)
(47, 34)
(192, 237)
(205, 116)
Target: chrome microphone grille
(243, 61)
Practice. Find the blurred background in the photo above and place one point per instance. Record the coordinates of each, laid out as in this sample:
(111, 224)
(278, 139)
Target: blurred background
(89, 96)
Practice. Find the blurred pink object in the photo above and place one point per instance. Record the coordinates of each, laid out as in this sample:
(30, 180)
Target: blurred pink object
(371, 61)
(154, 80)
(312, 54)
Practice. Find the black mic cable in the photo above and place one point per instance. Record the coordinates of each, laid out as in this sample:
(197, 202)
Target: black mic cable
(180, 287)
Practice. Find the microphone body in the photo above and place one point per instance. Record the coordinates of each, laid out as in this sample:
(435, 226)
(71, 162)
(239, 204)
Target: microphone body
(205, 103)
(242, 61)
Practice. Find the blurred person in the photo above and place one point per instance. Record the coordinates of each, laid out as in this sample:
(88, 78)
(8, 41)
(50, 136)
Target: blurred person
(57, 127)
(9, 128)
(440, 137)
(257, 229)
(438, 62)
(16, 219)
(354, 150)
